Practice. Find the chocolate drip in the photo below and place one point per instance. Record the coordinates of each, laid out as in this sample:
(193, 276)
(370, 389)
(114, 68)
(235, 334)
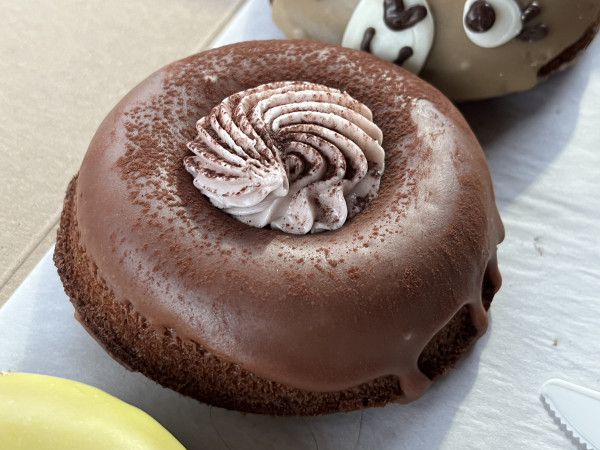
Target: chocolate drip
(365, 44)
(532, 11)
(533, 33)
(481, 16)
(403, 55)
(397, 17)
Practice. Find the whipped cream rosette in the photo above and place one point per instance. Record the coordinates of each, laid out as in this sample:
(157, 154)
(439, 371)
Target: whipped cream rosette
(295, 156)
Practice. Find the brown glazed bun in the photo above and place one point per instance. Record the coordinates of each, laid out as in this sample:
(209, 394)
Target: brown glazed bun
(553, 34)
(258, 320)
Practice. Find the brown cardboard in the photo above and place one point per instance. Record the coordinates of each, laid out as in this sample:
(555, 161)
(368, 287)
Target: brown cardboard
(63, 66)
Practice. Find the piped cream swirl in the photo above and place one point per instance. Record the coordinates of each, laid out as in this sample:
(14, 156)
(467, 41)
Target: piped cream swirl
(297, 156)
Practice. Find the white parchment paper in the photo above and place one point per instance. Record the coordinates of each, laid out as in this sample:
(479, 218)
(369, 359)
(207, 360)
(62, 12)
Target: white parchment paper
(543, 147)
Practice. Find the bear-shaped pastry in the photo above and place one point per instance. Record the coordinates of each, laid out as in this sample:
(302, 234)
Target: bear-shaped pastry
(469, 49)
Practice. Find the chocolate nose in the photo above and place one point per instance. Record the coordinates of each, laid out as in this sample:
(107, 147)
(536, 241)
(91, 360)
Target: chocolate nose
(481, 16)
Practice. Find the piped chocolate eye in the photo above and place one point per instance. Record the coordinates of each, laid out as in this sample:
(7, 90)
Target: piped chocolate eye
(491, 23)
(532, 32)
(481, 16)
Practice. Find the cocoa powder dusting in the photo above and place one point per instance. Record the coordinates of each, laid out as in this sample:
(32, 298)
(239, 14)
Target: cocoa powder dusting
(210, 284)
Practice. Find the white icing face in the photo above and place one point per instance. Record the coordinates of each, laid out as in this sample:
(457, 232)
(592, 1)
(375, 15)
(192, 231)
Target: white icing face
(407, 42)
(492, 23)
(403, 31)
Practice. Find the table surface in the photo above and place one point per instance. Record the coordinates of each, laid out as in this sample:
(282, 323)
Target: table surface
(543, 148)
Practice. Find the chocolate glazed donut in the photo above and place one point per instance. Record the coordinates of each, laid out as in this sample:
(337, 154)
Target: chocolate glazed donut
(258, 320)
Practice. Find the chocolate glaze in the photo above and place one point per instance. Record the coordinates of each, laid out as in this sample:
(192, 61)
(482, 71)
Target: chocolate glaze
(531, 11)
(481, 16)
(397, 17)
(403, 54)
(319, 312)
(365, 45)
(532, 33)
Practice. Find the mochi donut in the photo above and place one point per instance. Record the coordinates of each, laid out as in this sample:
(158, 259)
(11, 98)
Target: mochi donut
(469, 49)
(283, 227)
